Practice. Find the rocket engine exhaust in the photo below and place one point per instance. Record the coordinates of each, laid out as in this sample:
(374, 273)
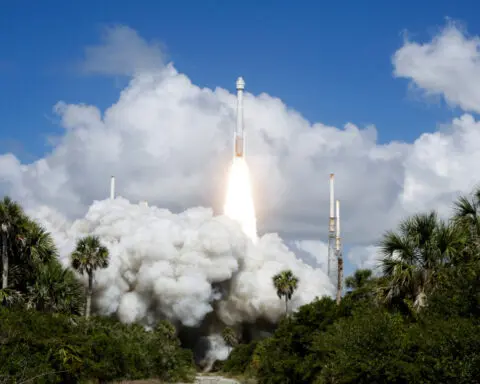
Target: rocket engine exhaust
(239, 201)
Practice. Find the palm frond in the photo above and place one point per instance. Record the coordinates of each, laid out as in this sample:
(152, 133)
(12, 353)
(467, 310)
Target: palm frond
(89, 255)
(465, 207)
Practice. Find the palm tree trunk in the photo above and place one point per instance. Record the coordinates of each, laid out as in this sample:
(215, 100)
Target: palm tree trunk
(89, 294)
(4, 261)
(286, 306)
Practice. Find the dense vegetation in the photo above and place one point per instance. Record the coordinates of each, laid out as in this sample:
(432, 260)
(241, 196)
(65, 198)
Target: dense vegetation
(62, 349)
(46, 333)
(415, 321)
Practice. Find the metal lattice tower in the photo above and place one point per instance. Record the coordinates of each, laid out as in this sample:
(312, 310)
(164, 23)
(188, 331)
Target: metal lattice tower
(332, 257)
(338, 254)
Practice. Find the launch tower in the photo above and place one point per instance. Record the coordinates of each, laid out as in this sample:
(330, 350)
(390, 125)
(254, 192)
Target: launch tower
(332, 259)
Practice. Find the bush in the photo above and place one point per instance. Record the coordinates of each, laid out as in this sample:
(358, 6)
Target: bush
(61, 349)
(286, 353)
(380, 347)
(365, 348)
(457, 292)
(447, 351)
(240, 358)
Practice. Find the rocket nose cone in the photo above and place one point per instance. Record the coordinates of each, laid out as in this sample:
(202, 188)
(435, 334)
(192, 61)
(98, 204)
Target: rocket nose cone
(240, 83)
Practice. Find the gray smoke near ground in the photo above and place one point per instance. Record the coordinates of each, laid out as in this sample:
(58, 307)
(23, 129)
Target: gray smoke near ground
(195, 269)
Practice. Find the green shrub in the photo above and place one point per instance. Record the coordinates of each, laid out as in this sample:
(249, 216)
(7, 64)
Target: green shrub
(240, 358)
(380, 347)
(447, 351)
(365, 348)
(57, 348)
(287, 353)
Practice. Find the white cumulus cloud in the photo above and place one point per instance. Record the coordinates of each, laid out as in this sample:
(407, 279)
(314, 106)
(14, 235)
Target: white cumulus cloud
(448, 65)
(121, 52)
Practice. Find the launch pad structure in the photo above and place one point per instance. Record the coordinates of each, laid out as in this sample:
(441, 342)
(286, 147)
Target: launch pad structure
(335, 257)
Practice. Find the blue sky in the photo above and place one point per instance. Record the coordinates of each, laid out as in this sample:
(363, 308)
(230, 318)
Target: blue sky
(331, 61)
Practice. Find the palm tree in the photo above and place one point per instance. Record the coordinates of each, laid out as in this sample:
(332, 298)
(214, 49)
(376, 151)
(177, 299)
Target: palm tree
(468, 208)
(412, 257)
(285, 283)
(38, 245)
(56, 289)
(467, 216)
(362, 285)
(360, 278)
(88, 256)
(229, 337)
(11, 297)
(11, 216)
(34, 247)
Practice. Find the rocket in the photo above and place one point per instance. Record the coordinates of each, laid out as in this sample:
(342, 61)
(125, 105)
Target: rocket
(331, 227)
(112, 188)
(239, 134)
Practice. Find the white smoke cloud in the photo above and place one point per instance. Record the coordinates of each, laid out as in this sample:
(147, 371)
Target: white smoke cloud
(166, 265)
(219, 350)
(168, 141)
(316, 250)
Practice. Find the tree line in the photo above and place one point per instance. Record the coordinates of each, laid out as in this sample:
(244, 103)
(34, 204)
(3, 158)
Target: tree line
(413, 320)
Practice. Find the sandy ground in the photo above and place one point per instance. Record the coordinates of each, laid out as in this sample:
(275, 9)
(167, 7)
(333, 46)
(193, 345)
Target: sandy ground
(214, 380)
(198, 380)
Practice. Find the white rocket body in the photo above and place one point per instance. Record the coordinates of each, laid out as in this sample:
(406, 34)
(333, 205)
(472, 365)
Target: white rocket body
(331, 226)
(112, 188)
(239, 134)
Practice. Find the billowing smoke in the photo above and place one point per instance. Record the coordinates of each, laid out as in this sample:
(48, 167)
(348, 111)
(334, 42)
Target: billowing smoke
(195, 269)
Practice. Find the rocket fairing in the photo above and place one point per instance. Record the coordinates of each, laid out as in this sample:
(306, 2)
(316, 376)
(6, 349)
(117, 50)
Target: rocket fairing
(239, 134)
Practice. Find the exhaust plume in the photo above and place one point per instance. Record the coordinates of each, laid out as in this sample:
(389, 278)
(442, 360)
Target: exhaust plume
(195, 269)
(239, 202)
